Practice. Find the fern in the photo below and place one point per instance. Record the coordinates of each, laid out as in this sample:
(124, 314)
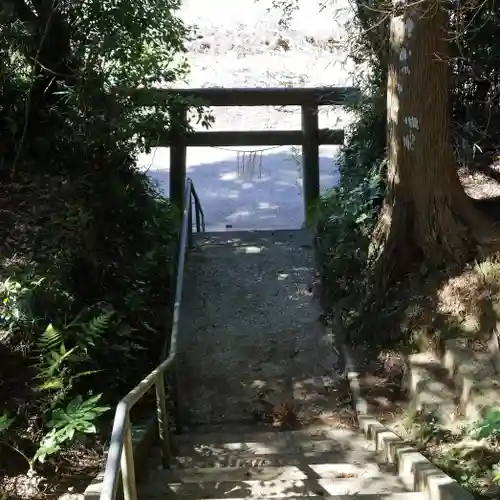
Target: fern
(61, 351)
(57, 368)
(96, 327)
(50, 340)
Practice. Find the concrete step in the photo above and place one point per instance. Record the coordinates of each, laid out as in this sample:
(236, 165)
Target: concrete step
(271, 473)
(269, 437)
(283, 447)
(430, 387)
(315, 445)
(276, 460)
(258, 237)
(310, 487)
(475, 378)
(360, 496)
(461, 385)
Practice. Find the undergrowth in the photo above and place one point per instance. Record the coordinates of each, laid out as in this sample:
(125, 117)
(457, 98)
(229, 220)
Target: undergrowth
(468, 452)
(347, 213)
(346, 217)
(85, 296)
(87, 241)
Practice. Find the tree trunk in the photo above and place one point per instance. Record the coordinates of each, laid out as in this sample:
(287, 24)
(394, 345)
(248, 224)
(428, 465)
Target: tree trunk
(54, 60)
(426, 214)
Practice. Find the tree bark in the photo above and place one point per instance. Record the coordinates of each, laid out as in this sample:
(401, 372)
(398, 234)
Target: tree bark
(426, 214)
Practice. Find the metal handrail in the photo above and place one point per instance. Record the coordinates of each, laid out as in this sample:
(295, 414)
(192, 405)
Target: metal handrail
(120, 454)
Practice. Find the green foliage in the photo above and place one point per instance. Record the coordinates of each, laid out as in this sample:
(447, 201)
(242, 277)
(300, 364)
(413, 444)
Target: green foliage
(5, 422)
(61, 351)
(472, 468)
(474, 465)
(78, 417)
(488, 426)
(347, 214)
(16, 297)
(476, 114)
(475, 82)
(88, 242)
(82, 306)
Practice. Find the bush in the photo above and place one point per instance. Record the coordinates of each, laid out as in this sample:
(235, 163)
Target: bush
(348, 212)
(85, 291)
(88, 242)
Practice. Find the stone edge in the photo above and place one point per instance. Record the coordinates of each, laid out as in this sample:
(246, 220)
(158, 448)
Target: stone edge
(416, 471)
(494, 348)
(144, 437)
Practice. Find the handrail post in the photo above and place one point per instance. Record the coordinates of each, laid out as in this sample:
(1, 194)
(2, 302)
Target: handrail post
(189, 201)
(127, 463)
(176, 394)
(198, 221)
(198, 215)
(163, 421)
(310, 157)
(178, 156)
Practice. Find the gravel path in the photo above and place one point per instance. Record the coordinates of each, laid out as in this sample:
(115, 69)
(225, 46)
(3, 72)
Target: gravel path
(250, 326)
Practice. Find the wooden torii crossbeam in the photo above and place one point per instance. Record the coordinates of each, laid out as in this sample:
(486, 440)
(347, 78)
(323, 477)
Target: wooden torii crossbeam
(310, 137)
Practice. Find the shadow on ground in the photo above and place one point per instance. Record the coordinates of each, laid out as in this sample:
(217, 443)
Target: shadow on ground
(265, 196)
(312, 462)
(254, 341)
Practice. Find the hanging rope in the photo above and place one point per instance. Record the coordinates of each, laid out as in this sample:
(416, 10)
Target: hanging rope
(239, 150)
(248, 161)
(254, 159)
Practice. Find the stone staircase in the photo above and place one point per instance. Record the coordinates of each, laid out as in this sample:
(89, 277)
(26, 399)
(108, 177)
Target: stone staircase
(315, 463)
(458, 385)
(252, 335)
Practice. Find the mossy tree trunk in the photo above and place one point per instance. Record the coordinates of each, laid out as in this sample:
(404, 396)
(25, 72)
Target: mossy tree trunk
(426, 214)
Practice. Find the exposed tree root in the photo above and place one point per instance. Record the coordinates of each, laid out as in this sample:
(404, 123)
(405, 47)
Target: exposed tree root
(448, 233)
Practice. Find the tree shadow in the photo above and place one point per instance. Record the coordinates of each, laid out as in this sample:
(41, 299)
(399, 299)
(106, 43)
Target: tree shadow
(321, 462)
(263, 197)
(252, 336)
(250, 332)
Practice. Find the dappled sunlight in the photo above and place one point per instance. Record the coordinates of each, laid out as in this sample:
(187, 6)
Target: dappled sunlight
(313, 441)
(265, 205)
(250, 198)
(250, 249)
(259, 338)
(317, 461)
(277, 488)
(240, 213)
